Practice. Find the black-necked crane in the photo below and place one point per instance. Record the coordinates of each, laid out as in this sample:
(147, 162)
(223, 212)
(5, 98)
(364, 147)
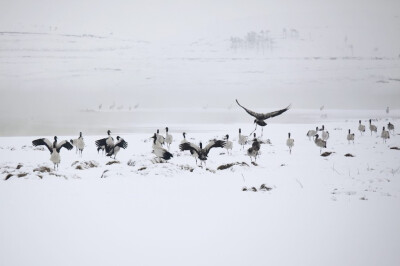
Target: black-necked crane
(372, 127)
(254, 150)
(391, 127)
(350, 137)
(320, 143)
(159, 151)
(385, 135)
(168, 138)
(260, 117)
(121, 143)
(202, 153)
(160, 138)
(106, 143)
(311, 133)
(324, 133)
(54, 148)
(184, 137)
(290, 143)
(78, 143)
(361, 127)
(228, 144)
(242, 139)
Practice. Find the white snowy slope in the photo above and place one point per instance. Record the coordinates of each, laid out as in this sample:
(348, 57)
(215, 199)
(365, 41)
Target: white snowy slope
(333, 210)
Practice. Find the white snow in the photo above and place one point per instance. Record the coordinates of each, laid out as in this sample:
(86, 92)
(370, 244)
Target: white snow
(332, 210)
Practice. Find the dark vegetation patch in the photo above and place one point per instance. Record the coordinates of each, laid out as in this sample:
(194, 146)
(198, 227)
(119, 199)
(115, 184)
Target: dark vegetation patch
(229, 165)
(263, 187)
(326, 154)
(349, 155)
(22, 174)
(395, 148)
(112, 162)
(187, 168)
(85, 165)
(142, 168)
(8, 176)
(42, 169)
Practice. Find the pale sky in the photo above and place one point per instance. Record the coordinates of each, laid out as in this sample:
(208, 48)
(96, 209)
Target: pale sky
(158, 19)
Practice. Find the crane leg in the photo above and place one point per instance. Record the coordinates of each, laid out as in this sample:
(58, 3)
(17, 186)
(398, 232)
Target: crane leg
(253, 130)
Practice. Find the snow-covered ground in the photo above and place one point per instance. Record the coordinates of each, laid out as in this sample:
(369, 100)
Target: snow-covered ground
(333, 210)
(94, 210)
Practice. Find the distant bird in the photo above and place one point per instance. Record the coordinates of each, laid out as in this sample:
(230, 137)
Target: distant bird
(242, 139)
(54, 148)
(387, 109)
(385, 135)
(254, 150)
(100, 106)
(350, 137)
(184, 138)
(78, 143)
(105, 144)
(159, 151)
(290, 143)
(202, 153)
(168, 138)
(391, 127)
(228, 145)
(372, 127)
(322, 107)
(160, 138)
(320, 143)
(311, 133)
(361, 127)
(260, 117)
(112, 106)
(324, 134)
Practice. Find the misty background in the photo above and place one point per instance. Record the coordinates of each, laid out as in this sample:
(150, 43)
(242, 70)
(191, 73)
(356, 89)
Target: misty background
(61, 60)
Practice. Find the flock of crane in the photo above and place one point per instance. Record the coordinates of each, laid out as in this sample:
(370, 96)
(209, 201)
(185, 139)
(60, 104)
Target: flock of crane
(111, 148)
(321, 142)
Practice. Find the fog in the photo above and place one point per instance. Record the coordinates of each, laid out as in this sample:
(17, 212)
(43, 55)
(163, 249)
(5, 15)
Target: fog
(58, 57)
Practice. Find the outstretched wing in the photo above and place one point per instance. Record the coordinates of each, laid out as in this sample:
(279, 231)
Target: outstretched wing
(214, 144)
(188, 146)
(122, 143)
(261, 116)
(101, 143)
(45, 142)
(64, 144)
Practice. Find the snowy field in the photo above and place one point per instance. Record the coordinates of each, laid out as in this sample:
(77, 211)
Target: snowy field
(333, 210)
(137, 66)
